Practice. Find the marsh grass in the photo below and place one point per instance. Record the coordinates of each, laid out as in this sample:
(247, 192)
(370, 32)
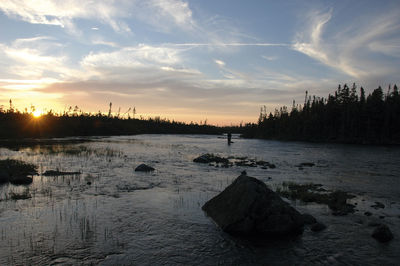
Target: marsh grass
(20, 196)
(71, 150)
(13, 195)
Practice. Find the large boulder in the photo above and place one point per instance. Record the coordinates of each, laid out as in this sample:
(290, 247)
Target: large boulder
(249, 207)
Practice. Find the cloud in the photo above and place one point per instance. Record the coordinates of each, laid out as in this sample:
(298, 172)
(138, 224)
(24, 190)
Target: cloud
(227, 44)
(29, 58)
(219, 62)
(359, 50)
(101, 41)
(141, 57)
(269, 58)
(176, 11)
(160, 13)
(309, 42)
(63, 13)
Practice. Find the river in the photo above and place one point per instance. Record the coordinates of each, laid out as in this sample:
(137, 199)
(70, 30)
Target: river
(112, 215)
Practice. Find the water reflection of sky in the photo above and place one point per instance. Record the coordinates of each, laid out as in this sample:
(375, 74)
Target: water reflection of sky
(124, 216)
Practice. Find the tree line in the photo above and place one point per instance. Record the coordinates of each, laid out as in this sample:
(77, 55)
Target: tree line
(15, 124)
(347, 116)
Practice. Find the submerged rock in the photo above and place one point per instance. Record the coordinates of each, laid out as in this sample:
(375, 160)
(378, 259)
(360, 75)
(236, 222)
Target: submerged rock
(378, 205)
(144, 168)
(316, 227)
(249, 207)
(374, 224)
(308, 218)
(382, 233)
(307, 164)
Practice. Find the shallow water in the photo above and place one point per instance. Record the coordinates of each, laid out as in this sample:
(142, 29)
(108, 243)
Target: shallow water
(124, 217)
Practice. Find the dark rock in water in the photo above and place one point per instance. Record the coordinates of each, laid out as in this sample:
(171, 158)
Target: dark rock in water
(382, 233)
(144, 168)
(308, 218)
(318, 227)
(4, 177)
(367, 213)
(205, 158)
(306, 165)
(374, 224)
(246, 164)
(20, 180)
(265, 164)
(378, 205)
(210, 158)
(249, 207)
(58, 173)
(359, 221)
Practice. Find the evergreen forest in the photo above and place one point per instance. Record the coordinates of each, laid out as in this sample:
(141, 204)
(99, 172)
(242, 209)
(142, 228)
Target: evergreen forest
(347, 116)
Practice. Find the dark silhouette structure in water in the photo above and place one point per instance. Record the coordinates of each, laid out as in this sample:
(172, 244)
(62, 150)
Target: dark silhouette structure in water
(229, 138)
(343, 117)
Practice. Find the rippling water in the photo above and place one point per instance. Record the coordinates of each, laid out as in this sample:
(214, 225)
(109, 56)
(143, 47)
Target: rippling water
(124, 217)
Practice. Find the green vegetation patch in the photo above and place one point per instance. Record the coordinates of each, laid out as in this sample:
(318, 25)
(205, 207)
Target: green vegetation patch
(16, 172)
(20, 196)
(231, 160)
(336, 200)
(13, 167)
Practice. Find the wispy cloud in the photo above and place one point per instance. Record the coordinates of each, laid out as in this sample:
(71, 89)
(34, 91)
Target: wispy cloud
(63, 13)
(29, 58)
(269, 58)
(353, 50)
(176, 11)
(133, 57)
(219, 62)
(159, 13)
(223, 44)
(309, 42)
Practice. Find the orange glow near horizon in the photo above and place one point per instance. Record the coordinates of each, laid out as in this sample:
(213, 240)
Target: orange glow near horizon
(187, 117)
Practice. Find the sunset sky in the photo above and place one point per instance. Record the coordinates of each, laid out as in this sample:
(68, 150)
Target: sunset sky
(219, 60)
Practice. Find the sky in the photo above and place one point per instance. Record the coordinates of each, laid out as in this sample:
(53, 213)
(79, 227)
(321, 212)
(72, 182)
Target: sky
(197, 60)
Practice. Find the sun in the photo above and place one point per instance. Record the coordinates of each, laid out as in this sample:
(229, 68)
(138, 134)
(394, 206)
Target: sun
(37, 113)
